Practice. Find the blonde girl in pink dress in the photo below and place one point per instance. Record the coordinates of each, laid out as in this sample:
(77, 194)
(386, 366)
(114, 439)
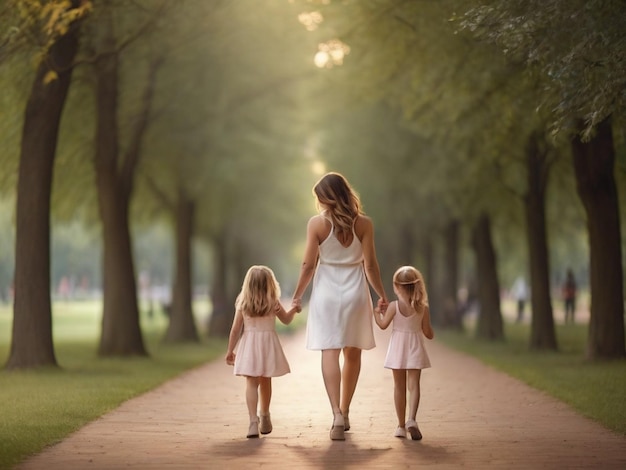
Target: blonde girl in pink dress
(259, 354)
(406, 354)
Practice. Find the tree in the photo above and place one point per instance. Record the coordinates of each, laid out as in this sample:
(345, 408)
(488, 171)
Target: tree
(542, 335)
(115, 172)
(221, 145)
(577, 47)
(57, 24)
(594, 164)
(490, 325)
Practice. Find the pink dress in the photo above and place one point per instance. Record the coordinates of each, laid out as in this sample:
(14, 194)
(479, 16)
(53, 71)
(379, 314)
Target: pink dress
(259, 352)
(406, 347)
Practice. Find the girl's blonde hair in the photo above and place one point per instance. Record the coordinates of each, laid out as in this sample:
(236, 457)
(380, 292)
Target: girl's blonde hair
(411, 281)
(343, 203)
(260, 292)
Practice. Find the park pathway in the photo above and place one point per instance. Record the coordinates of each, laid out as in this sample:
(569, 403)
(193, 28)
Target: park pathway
(471, 416)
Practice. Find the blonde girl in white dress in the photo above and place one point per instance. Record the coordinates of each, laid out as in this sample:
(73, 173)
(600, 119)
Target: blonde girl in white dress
(341, 260)
(259, 355)
(406, 354)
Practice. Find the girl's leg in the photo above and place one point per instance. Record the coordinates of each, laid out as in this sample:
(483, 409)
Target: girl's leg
(349, 377)
(252, 396)
(414, 391)
(252, 400)
(399, 394)
(413, 381)
(265, 394)
(265, 397)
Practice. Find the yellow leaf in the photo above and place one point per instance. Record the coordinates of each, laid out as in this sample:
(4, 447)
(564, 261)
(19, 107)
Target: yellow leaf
(50, 77)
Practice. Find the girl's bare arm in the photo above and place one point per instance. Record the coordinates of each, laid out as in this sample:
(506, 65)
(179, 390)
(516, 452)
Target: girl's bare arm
(427, 328)
(383, 320)
(233, 338)
(285, 316)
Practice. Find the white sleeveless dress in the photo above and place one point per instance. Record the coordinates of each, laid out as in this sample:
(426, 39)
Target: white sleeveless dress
(406, 346)
(340, 308)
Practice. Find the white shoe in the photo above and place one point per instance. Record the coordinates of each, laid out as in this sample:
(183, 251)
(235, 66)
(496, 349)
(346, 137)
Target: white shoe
(411, 426)
(400, 432)
(253, 430)
(266, 424)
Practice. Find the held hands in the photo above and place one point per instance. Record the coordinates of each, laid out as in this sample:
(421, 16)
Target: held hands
(293, 310)
(296, 304)
(381, 306)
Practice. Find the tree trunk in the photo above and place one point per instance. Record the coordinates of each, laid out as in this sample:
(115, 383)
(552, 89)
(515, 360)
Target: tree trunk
(182, 327)
(542, 335)
(431, 284)
(593, 163)
(490, 325)
(223, 309)
(32, 344)
(451, 315)
(121, 333)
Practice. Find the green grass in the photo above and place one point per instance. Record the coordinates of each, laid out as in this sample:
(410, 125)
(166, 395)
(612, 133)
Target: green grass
(39, 408)
(593, 388)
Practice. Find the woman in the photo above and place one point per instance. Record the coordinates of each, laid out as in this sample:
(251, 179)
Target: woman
(341, 258)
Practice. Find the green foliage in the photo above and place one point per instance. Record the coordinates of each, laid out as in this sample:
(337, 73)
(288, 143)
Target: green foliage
(577, 45)
(230, 134)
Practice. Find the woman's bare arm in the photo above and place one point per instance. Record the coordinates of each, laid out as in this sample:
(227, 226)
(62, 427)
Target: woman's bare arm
(365, 231)
(311, 252)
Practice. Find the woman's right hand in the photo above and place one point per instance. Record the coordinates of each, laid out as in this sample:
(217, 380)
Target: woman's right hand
(297, 304)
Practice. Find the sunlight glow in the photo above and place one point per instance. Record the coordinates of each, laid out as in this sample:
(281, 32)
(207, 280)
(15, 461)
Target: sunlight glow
(311, 20)
(318, 168)
(331, 53)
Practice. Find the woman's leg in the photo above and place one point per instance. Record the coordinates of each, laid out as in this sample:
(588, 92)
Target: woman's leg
(413, 381)
(349, 376)
(331, 373)
(399, 394)
(332, 380)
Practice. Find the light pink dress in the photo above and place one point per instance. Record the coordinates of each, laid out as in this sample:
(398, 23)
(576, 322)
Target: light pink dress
(259, 352)
(406, 347)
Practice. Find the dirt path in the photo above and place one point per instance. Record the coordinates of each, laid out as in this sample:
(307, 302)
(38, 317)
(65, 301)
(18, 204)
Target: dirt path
(470, 415)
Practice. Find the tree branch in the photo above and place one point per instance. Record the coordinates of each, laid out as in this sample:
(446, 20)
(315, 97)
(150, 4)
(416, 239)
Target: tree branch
(133, 153)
